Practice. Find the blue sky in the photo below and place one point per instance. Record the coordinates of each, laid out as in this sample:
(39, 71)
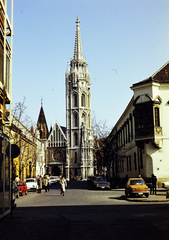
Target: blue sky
(124, 41)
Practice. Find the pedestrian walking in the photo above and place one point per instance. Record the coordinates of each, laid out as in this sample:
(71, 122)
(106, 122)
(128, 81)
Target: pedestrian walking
(154, 183)
(39, 184)
(46, 183)
(63, 185)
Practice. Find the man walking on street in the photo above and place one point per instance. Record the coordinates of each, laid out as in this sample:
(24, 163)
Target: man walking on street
(63, 184)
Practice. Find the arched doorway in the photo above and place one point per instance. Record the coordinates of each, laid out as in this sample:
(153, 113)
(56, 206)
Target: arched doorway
(149, 166)
(56, 171)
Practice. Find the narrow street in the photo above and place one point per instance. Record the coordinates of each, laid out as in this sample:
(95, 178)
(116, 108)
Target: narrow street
(85, 213)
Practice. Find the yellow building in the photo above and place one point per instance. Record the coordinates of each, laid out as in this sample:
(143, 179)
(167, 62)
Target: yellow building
(25, 163)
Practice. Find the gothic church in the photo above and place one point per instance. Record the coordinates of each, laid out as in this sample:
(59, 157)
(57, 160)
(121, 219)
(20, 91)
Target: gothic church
(69, 151)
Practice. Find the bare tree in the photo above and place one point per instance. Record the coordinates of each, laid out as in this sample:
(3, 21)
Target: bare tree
(19, 113)
(100, 127)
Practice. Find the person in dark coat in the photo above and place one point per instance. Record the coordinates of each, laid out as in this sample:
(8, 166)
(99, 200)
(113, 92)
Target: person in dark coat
(154, 182)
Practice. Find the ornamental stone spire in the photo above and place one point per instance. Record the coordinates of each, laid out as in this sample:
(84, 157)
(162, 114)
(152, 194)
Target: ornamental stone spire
(78, 54)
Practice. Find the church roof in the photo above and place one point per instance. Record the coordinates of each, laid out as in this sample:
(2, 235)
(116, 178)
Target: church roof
(58, 131)
(42, 124)
(160, 76)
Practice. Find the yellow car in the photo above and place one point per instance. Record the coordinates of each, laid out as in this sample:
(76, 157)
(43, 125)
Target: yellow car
(137, 187)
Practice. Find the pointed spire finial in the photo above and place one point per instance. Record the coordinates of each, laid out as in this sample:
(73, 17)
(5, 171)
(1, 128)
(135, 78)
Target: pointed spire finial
(78, 54)
(67, 67)
(41, 101)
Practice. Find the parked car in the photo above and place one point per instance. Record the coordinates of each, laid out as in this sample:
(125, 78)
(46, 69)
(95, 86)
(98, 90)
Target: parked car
(22, 187)
(52, 180)
(15, 190)
(57, 178)
(31, 184)
(102, 183)
(90, 179)
(137, 187)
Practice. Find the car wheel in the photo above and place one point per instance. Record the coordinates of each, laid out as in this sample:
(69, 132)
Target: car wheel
(26, 192)
(21, 193)
(146, 195)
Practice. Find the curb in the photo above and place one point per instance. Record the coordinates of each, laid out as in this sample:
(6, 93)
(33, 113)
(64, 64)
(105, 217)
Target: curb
(123, 197)
(135, 200)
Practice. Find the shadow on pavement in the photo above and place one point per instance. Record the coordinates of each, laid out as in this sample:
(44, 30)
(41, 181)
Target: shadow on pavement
(99, 222)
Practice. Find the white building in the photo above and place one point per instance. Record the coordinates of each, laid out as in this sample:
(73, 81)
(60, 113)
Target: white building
(139, 142)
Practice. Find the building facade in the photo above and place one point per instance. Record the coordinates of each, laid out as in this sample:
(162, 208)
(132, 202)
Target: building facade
(138, 143)
(6, 36)
(79, 156)
(56, 151)
(31, 160)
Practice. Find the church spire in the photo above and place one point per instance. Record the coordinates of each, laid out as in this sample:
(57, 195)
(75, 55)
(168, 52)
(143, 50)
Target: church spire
(78, 54)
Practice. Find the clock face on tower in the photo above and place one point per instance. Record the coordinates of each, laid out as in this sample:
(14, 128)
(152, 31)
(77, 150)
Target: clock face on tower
(58, 155)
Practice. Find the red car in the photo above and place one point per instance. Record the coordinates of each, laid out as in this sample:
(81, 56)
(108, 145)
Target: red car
(22, 187)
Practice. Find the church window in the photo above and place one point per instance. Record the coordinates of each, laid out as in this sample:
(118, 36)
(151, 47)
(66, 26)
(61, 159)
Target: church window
(75, 139)
(89, 121)
(83, 100)
(75, 100)
(83, 118)
(75, 120)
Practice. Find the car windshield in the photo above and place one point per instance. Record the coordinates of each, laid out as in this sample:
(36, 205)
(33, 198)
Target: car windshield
(137, 182)
(52, 178)
(30, 180)
(101, 180)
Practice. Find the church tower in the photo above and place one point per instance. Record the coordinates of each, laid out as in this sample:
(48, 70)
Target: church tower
(41, 129)
(79, 159)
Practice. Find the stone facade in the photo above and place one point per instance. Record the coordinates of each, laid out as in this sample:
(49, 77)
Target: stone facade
(79, 158)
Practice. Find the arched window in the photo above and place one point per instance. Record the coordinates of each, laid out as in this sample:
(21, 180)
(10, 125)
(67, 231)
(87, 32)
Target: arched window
(89, 121)
(75, 139)
(75, 120)
(83, 118)
(157, 117)
(75, 100)
(83, 100)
